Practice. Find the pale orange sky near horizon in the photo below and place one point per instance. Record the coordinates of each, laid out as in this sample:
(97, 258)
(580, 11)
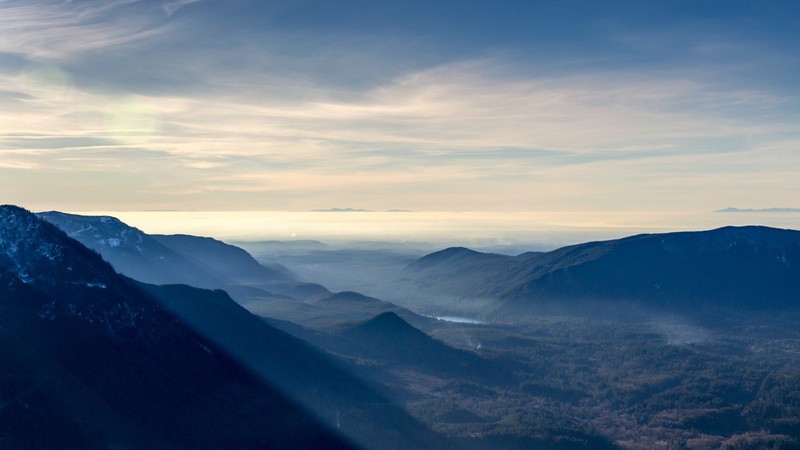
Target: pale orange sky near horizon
(542, 228)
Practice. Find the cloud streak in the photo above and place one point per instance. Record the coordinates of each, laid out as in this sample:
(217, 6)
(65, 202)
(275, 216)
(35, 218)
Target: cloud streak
(60, 30)
(447, 128)
(245, 129)
(171, 7)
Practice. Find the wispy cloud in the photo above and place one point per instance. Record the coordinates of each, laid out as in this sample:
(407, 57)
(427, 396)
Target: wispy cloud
(457, 108)
(59, 30)
(256, 123)
(458, 130)
(171, 6)
(10, 164)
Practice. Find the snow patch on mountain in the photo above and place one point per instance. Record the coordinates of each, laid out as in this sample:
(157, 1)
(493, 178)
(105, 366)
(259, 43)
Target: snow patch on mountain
(76, 279)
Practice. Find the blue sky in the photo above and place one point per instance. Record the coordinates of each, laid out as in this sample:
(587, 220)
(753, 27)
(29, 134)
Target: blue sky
(426, 106)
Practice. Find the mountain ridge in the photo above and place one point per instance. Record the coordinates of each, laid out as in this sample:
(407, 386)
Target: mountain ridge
(749, 268)
(75, 334)
(180, 259)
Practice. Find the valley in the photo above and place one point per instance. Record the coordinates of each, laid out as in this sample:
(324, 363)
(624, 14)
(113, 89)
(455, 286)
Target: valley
(638, 375)
(519, 356)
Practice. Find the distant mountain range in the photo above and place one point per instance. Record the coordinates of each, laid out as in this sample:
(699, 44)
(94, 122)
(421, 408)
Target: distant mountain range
(764, 210)
(341, 210)
(181, 259)
(90, 360)
(356, 210)
(732, 268)
(270, 290)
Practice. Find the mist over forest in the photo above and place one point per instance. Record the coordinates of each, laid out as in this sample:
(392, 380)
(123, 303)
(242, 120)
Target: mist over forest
(680, 340)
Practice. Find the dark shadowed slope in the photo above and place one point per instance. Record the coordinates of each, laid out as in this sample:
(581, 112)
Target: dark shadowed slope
(91, 361)
(739, 269)
(731, 268)
(309, 376)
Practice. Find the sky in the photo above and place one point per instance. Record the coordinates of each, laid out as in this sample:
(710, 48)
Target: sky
(463, 105)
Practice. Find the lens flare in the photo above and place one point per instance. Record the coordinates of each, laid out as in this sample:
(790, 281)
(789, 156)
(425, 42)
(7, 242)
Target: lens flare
(131, 120)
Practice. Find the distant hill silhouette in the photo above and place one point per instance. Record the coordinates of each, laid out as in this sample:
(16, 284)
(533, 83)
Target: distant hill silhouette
(759, 210)
(341, 210)
(454, 256)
